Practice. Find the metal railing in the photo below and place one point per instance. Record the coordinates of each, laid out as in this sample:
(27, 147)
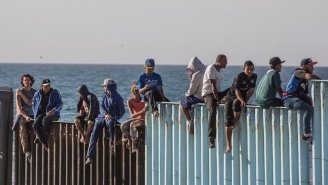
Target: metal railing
(64, 163)
(267, 147)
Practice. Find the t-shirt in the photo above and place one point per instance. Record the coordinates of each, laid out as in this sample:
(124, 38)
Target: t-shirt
(243, 84)
(266, 90)
(44, 101)
(29, 95)
(153, 81)
(137, 106)
(211, 74)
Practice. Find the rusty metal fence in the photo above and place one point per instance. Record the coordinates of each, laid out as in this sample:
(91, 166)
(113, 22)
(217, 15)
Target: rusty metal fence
(64, 163)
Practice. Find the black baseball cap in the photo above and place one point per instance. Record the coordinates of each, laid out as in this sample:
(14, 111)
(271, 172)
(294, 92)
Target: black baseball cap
(307, 61)
(275, 61)
(45, 82)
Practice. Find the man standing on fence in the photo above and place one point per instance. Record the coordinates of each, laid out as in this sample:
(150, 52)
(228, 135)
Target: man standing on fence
(213, 94)
(111, 110)
(24, 112)
(269, 85)
(296, 95)
(47, 103)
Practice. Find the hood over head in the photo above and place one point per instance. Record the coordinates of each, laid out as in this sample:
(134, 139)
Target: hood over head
(196, 65)
(83, 90)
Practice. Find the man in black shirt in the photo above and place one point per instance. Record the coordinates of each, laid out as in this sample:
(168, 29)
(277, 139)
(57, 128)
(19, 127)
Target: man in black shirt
(240, 92)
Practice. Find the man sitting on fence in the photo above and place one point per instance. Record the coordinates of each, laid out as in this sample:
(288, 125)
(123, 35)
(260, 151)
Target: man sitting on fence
(296, 95)
(213, 94)
(111, 110)
(269, 85)
(151, 87)
(24, 112)
(88, 110)
(137, 110)
(47, 103)
(196, 71)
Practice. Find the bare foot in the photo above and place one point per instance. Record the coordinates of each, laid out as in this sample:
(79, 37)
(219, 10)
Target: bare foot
(228, 149)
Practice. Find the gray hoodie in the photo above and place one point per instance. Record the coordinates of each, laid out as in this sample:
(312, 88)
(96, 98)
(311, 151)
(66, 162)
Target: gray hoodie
(196, 82)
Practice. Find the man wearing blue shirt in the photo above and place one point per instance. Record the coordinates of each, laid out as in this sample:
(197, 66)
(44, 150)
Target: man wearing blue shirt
(296, 96)
(151, 87)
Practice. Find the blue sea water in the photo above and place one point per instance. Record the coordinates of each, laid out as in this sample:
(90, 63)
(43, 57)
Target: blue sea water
(66, 78)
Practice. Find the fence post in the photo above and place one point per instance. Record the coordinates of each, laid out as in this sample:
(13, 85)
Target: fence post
(6, 117)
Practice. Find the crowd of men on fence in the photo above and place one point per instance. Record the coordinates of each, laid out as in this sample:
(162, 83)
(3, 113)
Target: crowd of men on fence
(37, 109)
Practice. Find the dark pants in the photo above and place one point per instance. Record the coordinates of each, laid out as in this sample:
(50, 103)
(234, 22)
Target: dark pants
(277, 102)
(41, 125)
(153, 97)
(211, 104)
(99, 125)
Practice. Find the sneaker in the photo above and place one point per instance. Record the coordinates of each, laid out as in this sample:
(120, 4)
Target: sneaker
(307, 139)
(211, 142)
(134, 146)
(29, 157)
(37, 140)
(46, 147)
(156, 114)
(88, 161)
(191, 127)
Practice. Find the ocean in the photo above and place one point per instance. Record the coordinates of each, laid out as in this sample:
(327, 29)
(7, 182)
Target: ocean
(67, 77)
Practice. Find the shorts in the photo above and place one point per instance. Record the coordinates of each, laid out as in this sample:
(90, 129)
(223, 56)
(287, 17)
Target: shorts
(230, 106)
(81, 119)
(188, 101)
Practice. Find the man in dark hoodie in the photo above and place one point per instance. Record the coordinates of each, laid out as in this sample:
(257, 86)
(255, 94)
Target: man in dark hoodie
(88, 110)
(111, 110)
(47, 103)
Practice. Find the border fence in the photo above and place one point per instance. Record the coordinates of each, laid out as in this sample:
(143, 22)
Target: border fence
(267, 149)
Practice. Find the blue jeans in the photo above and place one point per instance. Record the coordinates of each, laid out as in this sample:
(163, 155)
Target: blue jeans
(99, 125)
(297, 103)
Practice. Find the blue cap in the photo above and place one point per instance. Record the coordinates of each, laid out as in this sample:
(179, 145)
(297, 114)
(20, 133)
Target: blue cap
(150, 62)
(307, 61)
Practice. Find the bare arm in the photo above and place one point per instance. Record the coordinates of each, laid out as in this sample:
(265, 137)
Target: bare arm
(250, 92)
(214, 89)
(310, 76)
(19, 109)
(161, 92)
(239, 96)
(279, 90)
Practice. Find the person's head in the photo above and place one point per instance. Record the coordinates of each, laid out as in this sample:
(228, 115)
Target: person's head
(135, 92)
(307, 64)
(221, 61)
(249, 68)
(194, 66)
(46, 86)
(275, 63)
(83, 91)
(149, 66)
(27, 80)
(109, 86)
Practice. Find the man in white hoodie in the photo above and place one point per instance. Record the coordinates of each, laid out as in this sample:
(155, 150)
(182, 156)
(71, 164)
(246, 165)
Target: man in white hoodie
(196, 71)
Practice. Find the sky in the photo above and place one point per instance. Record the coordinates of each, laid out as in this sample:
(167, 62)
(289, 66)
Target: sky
(171, 32)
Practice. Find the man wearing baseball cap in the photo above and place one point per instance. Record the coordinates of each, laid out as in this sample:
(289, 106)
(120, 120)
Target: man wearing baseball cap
(270, 85)
(47, 103)
(296, 96)
(151, 87)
